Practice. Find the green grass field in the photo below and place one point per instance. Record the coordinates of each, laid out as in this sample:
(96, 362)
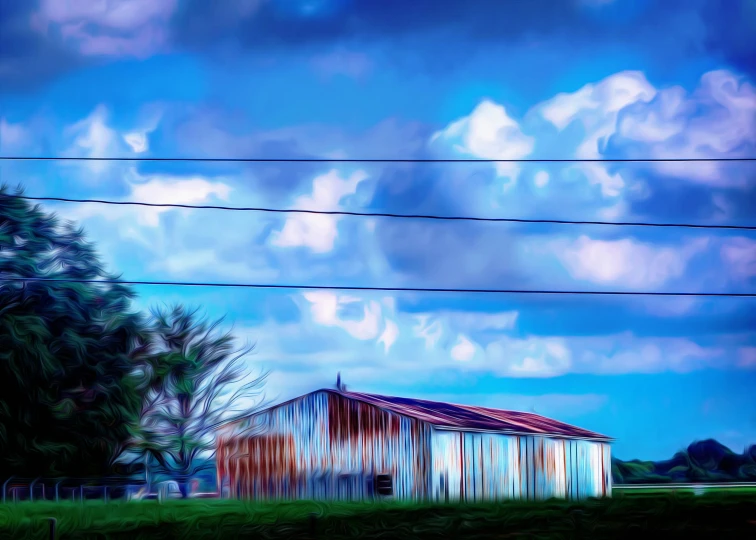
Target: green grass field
(685, 489)
(722, 515)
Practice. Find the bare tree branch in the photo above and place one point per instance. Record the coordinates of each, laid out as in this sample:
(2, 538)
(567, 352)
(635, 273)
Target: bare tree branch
(197, 381)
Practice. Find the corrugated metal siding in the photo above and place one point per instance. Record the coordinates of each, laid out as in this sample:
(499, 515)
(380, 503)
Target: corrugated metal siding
(324, 446)
(488, 466)
(328, 446)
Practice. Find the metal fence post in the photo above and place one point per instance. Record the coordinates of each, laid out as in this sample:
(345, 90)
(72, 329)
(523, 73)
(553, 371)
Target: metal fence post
(53, 522)
(5, 485)
(31, 490)
(313, 525)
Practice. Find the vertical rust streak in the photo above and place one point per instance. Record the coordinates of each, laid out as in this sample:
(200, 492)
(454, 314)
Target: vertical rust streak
(248, 468)
(462, 470)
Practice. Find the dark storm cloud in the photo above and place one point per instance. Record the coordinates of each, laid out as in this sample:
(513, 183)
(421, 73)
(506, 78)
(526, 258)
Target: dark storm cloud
(285, 23)
(451, 254)
(674, 200)
(731, 27)
(28, 58)
(674, 28)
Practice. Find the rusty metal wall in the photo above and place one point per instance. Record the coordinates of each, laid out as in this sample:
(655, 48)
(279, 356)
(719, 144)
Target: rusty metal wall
(486, 466)
(324, 446)
(328, 447)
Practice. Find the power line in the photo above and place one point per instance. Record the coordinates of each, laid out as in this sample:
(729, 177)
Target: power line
(376, 160)
(377, 289)
(384, 214)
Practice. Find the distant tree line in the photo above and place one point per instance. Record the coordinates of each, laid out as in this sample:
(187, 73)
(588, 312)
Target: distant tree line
(87, 382)
(706, 461)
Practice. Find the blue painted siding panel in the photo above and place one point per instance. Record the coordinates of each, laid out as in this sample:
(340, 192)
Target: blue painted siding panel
(484, 466)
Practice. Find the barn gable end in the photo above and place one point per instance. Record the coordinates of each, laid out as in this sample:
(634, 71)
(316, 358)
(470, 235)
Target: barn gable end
(340, 448)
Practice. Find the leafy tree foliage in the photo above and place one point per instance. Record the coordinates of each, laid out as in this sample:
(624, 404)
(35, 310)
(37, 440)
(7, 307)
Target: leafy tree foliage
(68, 351)
(198, 384)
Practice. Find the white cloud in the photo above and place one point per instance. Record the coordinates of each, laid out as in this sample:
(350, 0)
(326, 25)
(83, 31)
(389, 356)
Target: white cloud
(541, 179)
(625, 262)
(12, 136)
(544, 356)
(430, 332)
(627, 353)
(187, 263)
(93, 138)
(389, 302)
(478, 321)
(409, 361)
(138, 138)
(318, 232)
(155, 189)
(596, 107)
(718, 119)
(528, 357)
(137, 141)
(623, 116)
(169, 189)
(747, 357)
(489, 133)
(390, 333)
(740, 255)
(325, 309)
(463, 350)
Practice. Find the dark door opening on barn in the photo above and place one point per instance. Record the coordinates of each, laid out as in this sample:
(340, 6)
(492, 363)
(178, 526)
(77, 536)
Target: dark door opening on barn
(346, 487)
(444, 488)
(384, 485)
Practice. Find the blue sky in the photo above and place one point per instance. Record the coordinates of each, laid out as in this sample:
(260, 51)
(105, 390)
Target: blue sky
(441, 79)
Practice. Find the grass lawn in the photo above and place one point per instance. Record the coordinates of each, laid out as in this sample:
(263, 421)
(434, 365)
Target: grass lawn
(721, 515)
(660, 489)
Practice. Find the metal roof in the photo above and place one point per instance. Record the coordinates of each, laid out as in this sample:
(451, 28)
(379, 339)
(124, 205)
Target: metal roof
(473, 418)
(462, 417)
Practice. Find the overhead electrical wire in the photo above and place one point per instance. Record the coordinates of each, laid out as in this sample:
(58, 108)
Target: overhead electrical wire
(376, 160)
(371, 214)
(375, 289)
(382, 214)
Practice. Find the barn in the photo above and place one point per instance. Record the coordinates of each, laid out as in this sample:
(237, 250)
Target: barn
(344, 445)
